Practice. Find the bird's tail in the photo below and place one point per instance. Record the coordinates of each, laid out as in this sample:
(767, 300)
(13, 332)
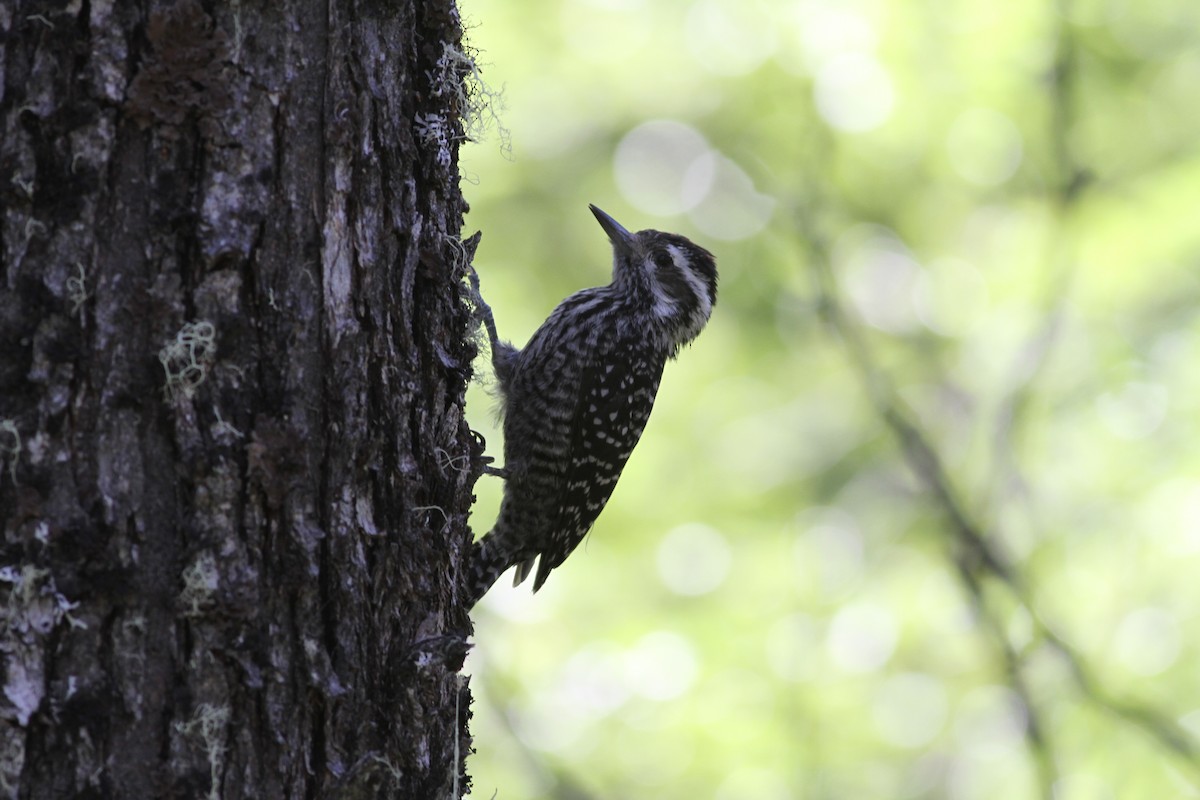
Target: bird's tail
(489, 560)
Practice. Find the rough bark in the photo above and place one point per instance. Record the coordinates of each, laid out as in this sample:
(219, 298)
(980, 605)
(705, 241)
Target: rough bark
(234, 470)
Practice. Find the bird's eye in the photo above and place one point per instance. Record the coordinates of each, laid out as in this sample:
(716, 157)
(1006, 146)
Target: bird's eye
(663, 260)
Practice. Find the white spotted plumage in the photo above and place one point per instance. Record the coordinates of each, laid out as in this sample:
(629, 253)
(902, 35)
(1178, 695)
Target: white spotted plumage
(578, 395)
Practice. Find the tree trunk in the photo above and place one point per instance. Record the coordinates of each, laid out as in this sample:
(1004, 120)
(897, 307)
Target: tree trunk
(234, 469)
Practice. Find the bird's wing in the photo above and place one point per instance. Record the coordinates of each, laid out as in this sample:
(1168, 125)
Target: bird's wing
(617, 387)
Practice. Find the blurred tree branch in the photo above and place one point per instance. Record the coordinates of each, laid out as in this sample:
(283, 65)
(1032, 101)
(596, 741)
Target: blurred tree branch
(974, 550)
(1068, 180)
(975, 554)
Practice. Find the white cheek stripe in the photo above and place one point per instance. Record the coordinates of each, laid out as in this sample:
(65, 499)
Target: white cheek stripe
(664, 304)
(694, 280)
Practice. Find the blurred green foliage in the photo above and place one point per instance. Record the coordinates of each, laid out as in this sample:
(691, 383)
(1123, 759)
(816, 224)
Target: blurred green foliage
(1004, 200)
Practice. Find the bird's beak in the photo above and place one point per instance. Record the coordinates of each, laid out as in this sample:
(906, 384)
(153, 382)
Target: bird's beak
(621, 239)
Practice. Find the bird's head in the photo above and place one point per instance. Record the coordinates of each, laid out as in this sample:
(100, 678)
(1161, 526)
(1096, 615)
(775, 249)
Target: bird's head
(672, 277)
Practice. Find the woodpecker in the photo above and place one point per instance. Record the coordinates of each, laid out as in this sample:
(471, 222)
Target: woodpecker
(576, 398)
